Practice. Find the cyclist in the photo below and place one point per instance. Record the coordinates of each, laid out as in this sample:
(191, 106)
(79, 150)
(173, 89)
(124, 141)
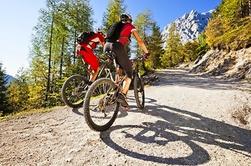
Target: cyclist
(119, 48)
(85, 49)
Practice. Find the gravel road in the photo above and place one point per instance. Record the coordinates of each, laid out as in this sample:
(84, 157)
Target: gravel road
(187, 121)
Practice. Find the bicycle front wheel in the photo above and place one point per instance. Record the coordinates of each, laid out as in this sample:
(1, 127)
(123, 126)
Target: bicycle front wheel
(100, 104)
(139, 91)
(73, 91)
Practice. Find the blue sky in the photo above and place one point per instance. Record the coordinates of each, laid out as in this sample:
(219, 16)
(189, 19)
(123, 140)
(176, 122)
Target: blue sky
(18, 17)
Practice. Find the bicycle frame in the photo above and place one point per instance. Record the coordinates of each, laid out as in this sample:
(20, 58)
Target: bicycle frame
(107, 71)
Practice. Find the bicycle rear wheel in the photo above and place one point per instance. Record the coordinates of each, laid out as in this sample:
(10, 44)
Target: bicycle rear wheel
(100, 104)
(73, 91)
(139, 91)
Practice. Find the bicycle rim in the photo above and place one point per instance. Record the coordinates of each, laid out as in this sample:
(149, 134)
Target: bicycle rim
(73, 91)
(100, 105)
(139, 92)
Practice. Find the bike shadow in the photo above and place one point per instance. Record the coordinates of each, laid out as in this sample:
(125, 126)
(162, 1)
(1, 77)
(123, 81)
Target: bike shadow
(76, 111)
(180, 125)
(122, 112)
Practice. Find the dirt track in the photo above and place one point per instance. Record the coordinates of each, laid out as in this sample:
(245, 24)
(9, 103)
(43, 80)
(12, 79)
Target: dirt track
(187, 121)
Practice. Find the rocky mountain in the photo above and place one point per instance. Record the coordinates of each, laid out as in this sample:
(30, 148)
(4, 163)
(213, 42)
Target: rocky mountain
(189, 26)
(9, 79)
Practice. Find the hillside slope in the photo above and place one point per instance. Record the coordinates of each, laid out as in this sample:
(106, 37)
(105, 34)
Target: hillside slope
(233, 64)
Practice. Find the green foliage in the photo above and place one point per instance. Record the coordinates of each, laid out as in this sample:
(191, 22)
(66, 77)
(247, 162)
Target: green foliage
(18, 92)
(203, 46)
(155, 48)
(113, 12)
(53, 43)
(190, 51)
(194, 49)
(173, 53)
(143, 24)
(230, 25)
(214, 29)
(4, 104)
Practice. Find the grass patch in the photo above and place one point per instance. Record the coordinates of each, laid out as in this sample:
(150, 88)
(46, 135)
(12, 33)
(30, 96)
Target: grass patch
(243, 114)
(25, 113)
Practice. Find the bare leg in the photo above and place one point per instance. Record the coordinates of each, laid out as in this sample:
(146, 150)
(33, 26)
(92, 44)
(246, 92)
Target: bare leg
(126, 85)
(93, 75)
(118, 74)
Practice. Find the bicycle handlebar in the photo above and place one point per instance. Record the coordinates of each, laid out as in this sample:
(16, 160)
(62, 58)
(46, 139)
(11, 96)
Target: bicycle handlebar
(140, 58)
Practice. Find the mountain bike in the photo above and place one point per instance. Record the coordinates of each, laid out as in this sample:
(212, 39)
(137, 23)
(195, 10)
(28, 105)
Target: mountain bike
(100, 104)
(75, 87)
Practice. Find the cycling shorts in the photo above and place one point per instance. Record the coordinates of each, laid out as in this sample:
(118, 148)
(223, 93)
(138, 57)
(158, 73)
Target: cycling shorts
(89, 57)
(121, 56)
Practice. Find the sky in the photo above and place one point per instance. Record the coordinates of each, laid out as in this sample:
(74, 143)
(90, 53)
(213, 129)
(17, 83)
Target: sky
(18, 17)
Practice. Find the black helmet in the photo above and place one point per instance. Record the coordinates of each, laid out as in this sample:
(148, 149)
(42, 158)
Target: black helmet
(125, 17)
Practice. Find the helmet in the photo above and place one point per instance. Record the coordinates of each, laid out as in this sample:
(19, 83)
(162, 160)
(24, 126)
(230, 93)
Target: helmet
(125, 17)
(99, 31)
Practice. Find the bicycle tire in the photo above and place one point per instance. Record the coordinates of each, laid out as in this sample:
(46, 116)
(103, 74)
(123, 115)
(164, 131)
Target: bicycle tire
(87, 113)
(66, 85)
(138, 86)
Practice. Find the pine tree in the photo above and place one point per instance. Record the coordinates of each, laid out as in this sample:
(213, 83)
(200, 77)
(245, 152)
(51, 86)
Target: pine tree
(53, 48)
(203, 46)
(230, 26)
(190, 51)
(4, 104)
(155, 47)
(113, 12)
(143, 24)
(173, 52)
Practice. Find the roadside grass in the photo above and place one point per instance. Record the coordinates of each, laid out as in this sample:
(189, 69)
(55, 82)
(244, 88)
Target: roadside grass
(26, 113)
(243, 114)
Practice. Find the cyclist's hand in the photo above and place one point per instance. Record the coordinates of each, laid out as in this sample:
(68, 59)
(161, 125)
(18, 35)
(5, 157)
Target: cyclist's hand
(146, 56)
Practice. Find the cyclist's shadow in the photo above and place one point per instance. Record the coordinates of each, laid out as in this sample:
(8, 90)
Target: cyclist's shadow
(180, 125)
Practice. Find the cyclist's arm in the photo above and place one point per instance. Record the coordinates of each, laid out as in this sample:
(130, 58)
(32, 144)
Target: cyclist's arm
(101, 39)
(140, 41)
(77, 50)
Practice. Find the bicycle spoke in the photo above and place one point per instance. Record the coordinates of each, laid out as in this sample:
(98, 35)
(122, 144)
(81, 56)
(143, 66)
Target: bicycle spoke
(101, 108)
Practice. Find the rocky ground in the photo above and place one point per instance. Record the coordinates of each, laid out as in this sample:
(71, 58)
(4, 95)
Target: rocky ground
(235, 65)
(188, 120)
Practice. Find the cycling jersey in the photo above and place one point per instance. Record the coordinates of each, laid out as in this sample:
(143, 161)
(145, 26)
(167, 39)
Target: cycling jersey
(120, 50)
(125, 33)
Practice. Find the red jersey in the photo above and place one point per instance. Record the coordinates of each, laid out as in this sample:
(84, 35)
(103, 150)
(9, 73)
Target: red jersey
(125, 33)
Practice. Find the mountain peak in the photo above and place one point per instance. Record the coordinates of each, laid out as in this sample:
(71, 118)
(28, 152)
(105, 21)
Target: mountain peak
(193, 12)
(9, 79)
(190, 25)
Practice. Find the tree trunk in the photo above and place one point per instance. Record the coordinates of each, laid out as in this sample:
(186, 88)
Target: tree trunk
(74, 53)
(75, 38)
(61, 60)
(249, 7)
(49, 63)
